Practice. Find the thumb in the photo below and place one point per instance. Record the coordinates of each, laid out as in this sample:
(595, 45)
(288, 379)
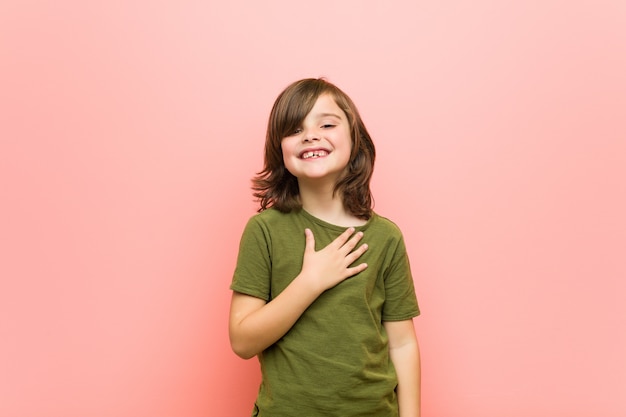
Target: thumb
(310, 241)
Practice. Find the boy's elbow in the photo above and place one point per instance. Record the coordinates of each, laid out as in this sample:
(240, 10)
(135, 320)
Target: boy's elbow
(243, 354)
(242, 350)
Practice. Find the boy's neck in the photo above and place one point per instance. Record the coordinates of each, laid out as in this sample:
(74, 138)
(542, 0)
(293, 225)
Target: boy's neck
(321, 203)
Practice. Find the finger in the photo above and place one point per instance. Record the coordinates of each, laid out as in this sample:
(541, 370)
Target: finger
(351, 244)
(309, 245)
(356, 254)
(350, 272)
(343, 238)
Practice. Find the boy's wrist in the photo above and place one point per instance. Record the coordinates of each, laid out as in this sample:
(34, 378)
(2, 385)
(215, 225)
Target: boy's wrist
(310, 283)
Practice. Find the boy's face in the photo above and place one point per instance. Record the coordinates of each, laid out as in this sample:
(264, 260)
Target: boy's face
(320, 148)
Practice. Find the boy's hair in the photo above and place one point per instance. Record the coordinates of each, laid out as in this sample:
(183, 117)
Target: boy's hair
(276, 187)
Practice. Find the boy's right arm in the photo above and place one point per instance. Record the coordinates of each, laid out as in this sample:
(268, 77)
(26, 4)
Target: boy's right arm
(254, 324)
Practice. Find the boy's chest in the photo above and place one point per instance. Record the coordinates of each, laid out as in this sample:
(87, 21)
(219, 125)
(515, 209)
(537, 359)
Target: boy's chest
(287, 254)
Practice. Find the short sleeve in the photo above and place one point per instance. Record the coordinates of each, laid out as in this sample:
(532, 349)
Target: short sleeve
(253, 271)
(400, 299)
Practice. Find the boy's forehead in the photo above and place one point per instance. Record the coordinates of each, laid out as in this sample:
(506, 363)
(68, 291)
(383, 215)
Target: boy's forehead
(326, 106)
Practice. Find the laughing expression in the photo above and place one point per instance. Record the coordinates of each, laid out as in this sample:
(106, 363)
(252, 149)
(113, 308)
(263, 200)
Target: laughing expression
(319, 149)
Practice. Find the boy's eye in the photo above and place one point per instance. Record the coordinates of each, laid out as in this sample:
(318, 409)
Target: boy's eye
(327, 126)
(295, 132)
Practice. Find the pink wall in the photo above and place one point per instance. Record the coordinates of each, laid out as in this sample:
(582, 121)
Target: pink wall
(129, 132)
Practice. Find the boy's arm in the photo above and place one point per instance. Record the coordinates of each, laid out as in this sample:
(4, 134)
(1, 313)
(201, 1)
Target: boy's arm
(254, 324)
(404, 353)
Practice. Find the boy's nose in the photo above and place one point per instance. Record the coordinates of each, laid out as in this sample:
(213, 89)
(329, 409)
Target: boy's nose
(310, 136)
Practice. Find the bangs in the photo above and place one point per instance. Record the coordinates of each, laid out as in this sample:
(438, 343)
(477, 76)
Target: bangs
(293, 107)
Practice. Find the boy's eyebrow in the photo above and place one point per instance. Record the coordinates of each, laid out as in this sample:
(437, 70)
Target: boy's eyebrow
(329, 115)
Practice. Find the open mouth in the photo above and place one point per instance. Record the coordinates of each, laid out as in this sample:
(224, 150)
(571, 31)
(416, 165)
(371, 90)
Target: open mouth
(318, 153)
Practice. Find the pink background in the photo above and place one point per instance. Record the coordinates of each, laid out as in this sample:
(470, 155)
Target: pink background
(130, 130)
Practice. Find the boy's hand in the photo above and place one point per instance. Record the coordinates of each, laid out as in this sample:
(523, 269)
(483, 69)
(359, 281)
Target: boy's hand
(331, 265)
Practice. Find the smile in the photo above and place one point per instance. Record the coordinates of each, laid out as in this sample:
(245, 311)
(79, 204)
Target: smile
(314, 154)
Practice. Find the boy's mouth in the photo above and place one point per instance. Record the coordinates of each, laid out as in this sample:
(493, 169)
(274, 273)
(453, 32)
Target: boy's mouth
(317, 153)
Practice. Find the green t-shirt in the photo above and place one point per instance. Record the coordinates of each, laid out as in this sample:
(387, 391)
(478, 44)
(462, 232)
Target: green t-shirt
(334, 361)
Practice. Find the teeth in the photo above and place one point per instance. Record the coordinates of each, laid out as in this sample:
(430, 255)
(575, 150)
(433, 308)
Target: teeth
(314, 154)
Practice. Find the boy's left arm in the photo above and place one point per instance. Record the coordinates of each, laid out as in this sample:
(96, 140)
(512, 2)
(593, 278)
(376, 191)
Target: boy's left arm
(405, 355)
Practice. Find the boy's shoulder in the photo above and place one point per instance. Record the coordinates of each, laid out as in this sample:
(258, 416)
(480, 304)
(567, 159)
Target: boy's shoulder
(270, 218)
(383, 222)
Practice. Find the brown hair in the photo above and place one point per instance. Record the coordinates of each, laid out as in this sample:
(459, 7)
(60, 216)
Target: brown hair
(276, 187)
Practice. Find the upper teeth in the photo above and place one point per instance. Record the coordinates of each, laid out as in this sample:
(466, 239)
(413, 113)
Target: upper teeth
(314, 154)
